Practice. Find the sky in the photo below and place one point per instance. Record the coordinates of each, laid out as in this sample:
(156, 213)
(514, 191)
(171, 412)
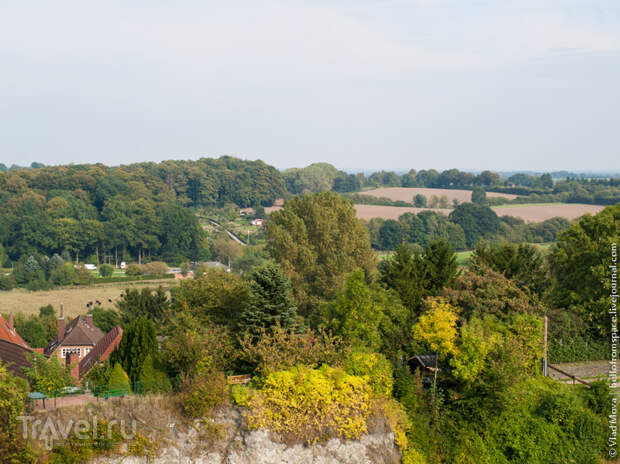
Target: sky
(362, 84)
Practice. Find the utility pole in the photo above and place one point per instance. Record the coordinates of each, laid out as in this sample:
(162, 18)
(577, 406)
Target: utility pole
(544, 361)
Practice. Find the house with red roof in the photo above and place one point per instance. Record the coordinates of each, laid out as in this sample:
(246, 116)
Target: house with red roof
(79, 338)
(81, 344)
(13, 348)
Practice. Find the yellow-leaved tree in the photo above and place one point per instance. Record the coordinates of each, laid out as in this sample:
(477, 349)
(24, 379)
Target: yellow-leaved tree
(437, 327)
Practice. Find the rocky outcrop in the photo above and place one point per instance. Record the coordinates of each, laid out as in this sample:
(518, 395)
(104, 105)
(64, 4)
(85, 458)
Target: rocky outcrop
(226, 441)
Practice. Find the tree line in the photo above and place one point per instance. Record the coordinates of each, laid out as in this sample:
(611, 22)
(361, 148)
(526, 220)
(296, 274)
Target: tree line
(462, 229)
(321, 177)
(124, 212)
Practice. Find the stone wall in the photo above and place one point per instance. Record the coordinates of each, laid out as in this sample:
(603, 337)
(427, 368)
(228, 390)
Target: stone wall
(235, 445)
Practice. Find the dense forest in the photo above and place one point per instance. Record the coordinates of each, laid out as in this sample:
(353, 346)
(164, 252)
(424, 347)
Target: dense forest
(127, 211)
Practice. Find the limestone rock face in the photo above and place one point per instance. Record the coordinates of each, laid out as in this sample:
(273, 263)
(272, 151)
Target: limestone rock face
(235, 445)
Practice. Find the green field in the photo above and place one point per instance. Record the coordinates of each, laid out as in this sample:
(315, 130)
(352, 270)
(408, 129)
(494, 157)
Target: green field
(463, 256)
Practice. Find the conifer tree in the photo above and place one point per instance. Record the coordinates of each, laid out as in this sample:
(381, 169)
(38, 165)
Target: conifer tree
(119, 380)
(440, 266)
(138, 342)
(405, 273)
(270, 301)
(152, 380)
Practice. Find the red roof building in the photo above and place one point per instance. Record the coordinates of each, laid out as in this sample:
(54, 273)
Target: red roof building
(8, 333)
(102, 350)
(79, 337)
(13, 348)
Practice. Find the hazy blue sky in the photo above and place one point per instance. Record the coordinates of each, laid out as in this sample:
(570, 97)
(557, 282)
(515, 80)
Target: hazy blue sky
(367, 84)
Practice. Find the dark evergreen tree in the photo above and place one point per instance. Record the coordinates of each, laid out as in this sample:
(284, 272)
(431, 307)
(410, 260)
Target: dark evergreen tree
(440, 266)
(524, 263)
(404, 272)
(139, 341)
(270, 301)
(146, 302)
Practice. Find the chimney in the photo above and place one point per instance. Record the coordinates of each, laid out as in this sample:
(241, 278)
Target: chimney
(11, 321)
(89, 320)
(73, 361)
(61, 326)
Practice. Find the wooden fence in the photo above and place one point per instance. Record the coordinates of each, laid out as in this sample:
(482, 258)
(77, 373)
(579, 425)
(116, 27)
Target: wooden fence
(574, 378)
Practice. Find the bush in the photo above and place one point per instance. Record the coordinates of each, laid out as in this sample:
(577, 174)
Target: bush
(7, 282)
(133, 269)
(105, 270)
(303, 404)
(143, 447)
(153, 380)
(376, 368)
(155, 268)
(577, 349)
(64, 275)
(207, 390)
(543, 422)
(280, 349)
(85, 446)
(84, 276)
(119, 380)
(47, 376)
(13, 448)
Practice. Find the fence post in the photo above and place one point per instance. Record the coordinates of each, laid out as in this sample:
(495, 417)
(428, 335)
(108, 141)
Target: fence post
(544, 365)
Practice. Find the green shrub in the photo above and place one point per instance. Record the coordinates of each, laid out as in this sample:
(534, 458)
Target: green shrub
(240, 394)
(119, 380)
(13, 448)
(134, 269)
(412, 456)
(143, 447)
(7, 282)
(546, 422)
(79, 449)
(204, 392)
(84, 276)
(279, 349)
(105, 270)
(155, 268)
(376, 368)
(153, 380)
(47, 376)
(577, 349)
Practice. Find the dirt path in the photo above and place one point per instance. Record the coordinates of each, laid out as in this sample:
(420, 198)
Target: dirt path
(230, 234)
(589, 370)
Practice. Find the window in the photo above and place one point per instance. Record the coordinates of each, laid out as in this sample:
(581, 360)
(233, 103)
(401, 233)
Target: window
(67, 351)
